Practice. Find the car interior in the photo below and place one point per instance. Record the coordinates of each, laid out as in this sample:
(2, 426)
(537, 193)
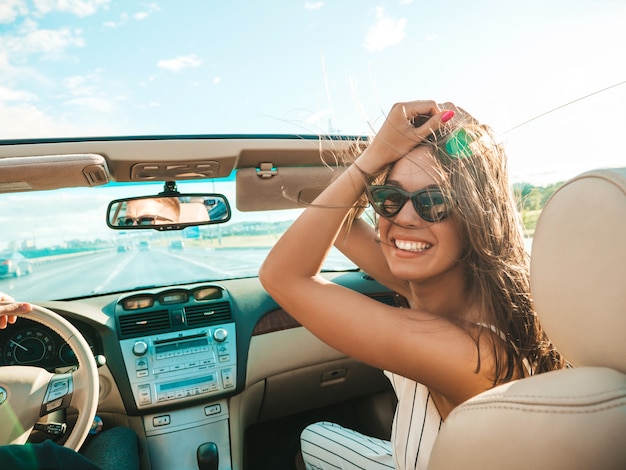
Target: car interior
(214, 374)
(153, 153)
(212, 364)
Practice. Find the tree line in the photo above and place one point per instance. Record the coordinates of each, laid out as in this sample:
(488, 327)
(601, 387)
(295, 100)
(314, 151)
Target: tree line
(530, 200)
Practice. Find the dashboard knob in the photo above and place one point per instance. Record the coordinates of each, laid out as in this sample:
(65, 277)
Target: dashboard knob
(140, 348)
(220, 335)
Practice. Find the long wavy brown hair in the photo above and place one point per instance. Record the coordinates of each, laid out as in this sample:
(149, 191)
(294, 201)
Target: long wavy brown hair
(495, 261)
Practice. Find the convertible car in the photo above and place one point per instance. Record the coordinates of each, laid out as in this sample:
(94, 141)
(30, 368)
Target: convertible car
(183, 345)
(151, 154)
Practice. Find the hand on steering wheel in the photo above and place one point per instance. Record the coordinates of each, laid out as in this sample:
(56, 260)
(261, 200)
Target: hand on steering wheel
(28, 393)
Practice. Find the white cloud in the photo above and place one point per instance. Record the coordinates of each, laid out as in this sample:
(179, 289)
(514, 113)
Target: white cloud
(216, 80)
(32, 40)
(81, 85)
(85, 92)
(142, 15)
(180, 62)
(80, 8)
(137, 16)
(385, 32)
(113, 24)
(11, 9)
(313, 5)
(7, 94)
(105, 105)
(26, 120)
(7, 71)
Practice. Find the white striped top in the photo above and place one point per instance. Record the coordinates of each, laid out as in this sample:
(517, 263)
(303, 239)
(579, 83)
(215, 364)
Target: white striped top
(415, 424)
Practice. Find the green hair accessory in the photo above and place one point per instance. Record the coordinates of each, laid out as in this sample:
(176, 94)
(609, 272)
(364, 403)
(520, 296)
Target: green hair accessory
(458, 144)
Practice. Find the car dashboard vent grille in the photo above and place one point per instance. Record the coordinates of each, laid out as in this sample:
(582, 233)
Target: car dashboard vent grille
(210, 314)
(139, 324)
(392, 299)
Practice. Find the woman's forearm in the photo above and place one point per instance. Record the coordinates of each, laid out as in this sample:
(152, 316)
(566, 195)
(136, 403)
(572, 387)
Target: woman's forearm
(303, 247)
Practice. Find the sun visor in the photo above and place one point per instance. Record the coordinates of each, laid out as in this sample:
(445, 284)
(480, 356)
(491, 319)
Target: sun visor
(269, 188)
(43, 172)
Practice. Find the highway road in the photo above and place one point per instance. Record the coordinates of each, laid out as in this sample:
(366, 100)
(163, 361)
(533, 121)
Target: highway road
(110, 271)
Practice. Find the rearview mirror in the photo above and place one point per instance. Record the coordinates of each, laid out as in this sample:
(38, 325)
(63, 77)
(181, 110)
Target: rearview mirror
(168, 212)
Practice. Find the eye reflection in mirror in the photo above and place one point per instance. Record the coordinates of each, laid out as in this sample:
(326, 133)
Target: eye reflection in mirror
(168, 212)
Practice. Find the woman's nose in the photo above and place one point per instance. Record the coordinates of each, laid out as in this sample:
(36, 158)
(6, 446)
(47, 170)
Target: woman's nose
(408, 217)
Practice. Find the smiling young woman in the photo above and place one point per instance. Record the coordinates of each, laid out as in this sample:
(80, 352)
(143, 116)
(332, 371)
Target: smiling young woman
(448, 239)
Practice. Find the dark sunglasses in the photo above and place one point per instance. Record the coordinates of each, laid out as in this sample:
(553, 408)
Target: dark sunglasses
(430, 203)
(144, 220)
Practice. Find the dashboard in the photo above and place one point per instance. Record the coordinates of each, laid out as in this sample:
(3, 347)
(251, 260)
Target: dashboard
(211, 359)
(176, 344)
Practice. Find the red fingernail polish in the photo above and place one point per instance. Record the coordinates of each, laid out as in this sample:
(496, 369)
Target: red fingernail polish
(446, 116)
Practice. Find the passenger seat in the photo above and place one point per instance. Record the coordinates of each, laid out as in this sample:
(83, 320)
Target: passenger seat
(573, 418)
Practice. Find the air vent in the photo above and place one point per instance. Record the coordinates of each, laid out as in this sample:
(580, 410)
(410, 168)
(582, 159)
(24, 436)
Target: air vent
(138, 324)
(210, 314)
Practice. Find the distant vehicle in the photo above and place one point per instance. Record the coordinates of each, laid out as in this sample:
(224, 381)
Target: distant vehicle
(144, 245)
(177, 245)
(15, 264)
(124, 247)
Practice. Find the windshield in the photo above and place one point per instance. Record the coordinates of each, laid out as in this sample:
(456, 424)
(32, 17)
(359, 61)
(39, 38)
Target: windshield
(62, 247)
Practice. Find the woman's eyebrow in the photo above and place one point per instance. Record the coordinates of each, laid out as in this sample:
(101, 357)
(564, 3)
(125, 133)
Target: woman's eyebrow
(398, 185)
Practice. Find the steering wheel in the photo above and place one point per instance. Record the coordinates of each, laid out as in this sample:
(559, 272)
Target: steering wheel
(28, 393)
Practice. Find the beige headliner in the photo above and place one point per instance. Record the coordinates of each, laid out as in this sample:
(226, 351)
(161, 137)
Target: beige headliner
(40, 165)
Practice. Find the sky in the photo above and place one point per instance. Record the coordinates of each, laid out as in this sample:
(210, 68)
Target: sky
(548, 75)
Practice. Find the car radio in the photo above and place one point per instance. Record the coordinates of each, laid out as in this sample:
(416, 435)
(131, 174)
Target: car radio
(179, 366)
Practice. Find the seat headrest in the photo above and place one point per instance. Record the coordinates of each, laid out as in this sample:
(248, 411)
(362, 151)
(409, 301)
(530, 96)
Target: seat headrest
(578, 269)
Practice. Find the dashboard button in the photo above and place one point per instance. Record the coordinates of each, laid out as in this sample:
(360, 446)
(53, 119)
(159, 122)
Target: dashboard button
(163, 420)
(140, 348)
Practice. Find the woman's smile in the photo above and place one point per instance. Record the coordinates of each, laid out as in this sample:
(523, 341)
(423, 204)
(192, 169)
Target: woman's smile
(411, 245)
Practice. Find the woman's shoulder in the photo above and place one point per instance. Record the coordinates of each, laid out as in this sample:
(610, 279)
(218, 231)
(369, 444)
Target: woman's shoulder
(508, 342)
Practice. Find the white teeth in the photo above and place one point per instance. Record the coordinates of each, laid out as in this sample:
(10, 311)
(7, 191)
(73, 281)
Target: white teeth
(411, 246)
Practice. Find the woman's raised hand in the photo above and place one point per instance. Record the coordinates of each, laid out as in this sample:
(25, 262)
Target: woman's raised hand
(405, 127)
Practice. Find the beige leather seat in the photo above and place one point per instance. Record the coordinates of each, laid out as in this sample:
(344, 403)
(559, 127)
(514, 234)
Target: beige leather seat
(573, 418)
